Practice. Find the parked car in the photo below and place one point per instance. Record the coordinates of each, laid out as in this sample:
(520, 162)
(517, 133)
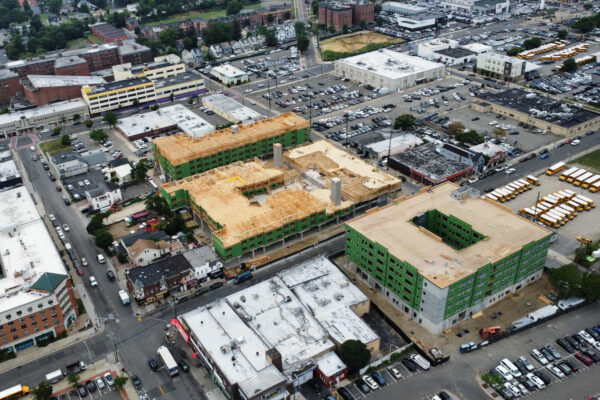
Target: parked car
(539, 357)
(110, 379)
(583, 358)
(90, 386)
(345, 394)
(100, 382)
(136, 381)
(409, 364)
(553, 351)
(395, 373)
(362, 386)
(82, 390)
(370, 382)
(378, 378)
(110, 275)
(183, 365)
(153, 364)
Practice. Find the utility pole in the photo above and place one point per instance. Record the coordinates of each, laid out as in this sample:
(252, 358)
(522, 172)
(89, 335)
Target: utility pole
(269, 91)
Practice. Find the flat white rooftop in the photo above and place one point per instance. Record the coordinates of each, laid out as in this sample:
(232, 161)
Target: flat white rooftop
(228, 71)
(330, 364)
(54, 108)
(41, 81)
(477, 47)
(26, 249)
(329, 295)
(390, 64)
(179, 115)
(404, 140)
(235, 110)
(275, 313)
(231, 344)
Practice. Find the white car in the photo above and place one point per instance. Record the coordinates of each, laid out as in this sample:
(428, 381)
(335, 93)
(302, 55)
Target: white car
(473, 180)
(51, 216)
(509, 171)
(499, 169)
(84, 261)
(100, 258)
(526, 363)
(370, 382)
(513, 388)
(32, 148)
(66, 228)
(587, 337)
(100, 383)
(596, 345)
(535, 353)
(93, 281)
(575, 142)
(555, 371)
(395, 373)
(504, 373)
(536, 381)
(493, 122)
(86, 181)
(80, 183)
(523, 389)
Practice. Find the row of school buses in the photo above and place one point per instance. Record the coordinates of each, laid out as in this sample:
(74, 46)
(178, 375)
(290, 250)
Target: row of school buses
(577, 176)
(557, 45)
(513, 189)
(556, 209)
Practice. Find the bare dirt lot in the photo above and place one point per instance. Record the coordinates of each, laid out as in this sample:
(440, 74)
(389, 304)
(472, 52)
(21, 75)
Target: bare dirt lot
(355, 42)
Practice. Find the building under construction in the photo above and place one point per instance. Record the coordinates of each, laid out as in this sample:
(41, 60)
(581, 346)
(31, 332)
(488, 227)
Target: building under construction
(256, 204)
(180, 156)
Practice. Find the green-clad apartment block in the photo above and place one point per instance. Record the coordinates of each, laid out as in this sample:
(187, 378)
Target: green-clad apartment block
(180, 156)
(441, 256)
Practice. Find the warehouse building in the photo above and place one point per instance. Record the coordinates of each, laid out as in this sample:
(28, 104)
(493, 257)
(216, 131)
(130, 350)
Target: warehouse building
(164, 120)
(10, 176)
(41, 117)
(37, 301)
(182, 155)
(45, 89)
(107, 33)
(266, 340)
(391, 69)
(539, 111)
(464, 254)
(9, 85)
(420, 21)
(230, 109)
(254, 205)
(394, 145)
(229, 75)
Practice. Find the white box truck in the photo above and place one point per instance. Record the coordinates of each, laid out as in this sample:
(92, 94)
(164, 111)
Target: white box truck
(125, 300)
(542, 313)
(54, 376)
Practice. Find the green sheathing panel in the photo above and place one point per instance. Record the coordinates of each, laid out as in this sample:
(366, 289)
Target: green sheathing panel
(275, 235)
(179, 198)
(453, 231)
(493, 278)
(398, 276)
(242, 153)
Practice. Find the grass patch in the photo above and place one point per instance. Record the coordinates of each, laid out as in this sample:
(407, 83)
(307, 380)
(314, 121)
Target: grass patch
(93, 38)
(493, 380)
(44, 19)
(591, 160)
(54, 146)
(330, 55)
(357, 43)
(76, 43)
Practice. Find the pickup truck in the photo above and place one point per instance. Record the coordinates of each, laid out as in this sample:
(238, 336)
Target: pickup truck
(76, 367)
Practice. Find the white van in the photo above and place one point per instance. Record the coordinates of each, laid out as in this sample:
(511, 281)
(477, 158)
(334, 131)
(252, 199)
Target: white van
(420, 361)
(512, 368)
(100, 258)
(506, 375)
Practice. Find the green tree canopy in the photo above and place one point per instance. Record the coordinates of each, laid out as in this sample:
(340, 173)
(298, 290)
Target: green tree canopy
(74, 379)
(65, 140)
(532, 43)
(111, 118)
(158, 204)
(88, 123)
(569, 65)
(43, 391)
(561, 34)
(514, 51)
(470, 137)
(98, 135)
(354, 354)
(103, 239)
(455, 128)
(303, 43)
(234, 7)
(405, 122)
(120, 381)
(56, 131)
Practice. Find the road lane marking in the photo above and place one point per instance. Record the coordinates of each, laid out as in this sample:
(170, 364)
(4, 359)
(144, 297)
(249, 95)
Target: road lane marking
(161, 390)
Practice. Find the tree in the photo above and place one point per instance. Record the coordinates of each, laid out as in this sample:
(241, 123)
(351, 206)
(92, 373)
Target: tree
(331, 29)
(584, 25)
(315, 7)
(354, 354)
(300, 28)
(111, 118)
(590, 287)
(171, 97)
(303, 43)
(35, 24)
(234, 7)
(174, 225)
(98, 135)
(344, 28)
(377, 9)
(588, 6)
(158, 204)
(139, 171)
(287, 15)
(565, 280)
(76, 117)
(455, 128)
(499, 132)
(405, 122)
(169, 37)
(363, 24)
(120, 381)
(103, 239)
(470, 137)
(561, 34)
(270, 18)
(155, 107)
(96, 222)
(270, 37)
(74, 379)
(88, 123)
(43, 391)
(569, 65)
(514, 51)
(56, 131)
(532, 43)
(65, 140)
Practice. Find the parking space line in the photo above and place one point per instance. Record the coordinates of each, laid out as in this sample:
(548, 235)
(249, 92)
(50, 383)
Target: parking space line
(361, 393)
(391, 376)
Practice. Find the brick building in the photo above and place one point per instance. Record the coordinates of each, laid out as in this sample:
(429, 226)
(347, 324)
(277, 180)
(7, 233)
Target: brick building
(45, 89)
(42, 303)
(101, 57)
(107, 33)
(350, 14)
(9, 85)
(71, 66)
(134, 53)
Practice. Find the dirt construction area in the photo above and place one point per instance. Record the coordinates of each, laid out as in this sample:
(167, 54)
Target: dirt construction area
(355, 42)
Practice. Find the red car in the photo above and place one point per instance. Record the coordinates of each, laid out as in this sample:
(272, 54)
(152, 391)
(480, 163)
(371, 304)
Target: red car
(59, 188)
(79, 270)
(584, 359)
(568, 141)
